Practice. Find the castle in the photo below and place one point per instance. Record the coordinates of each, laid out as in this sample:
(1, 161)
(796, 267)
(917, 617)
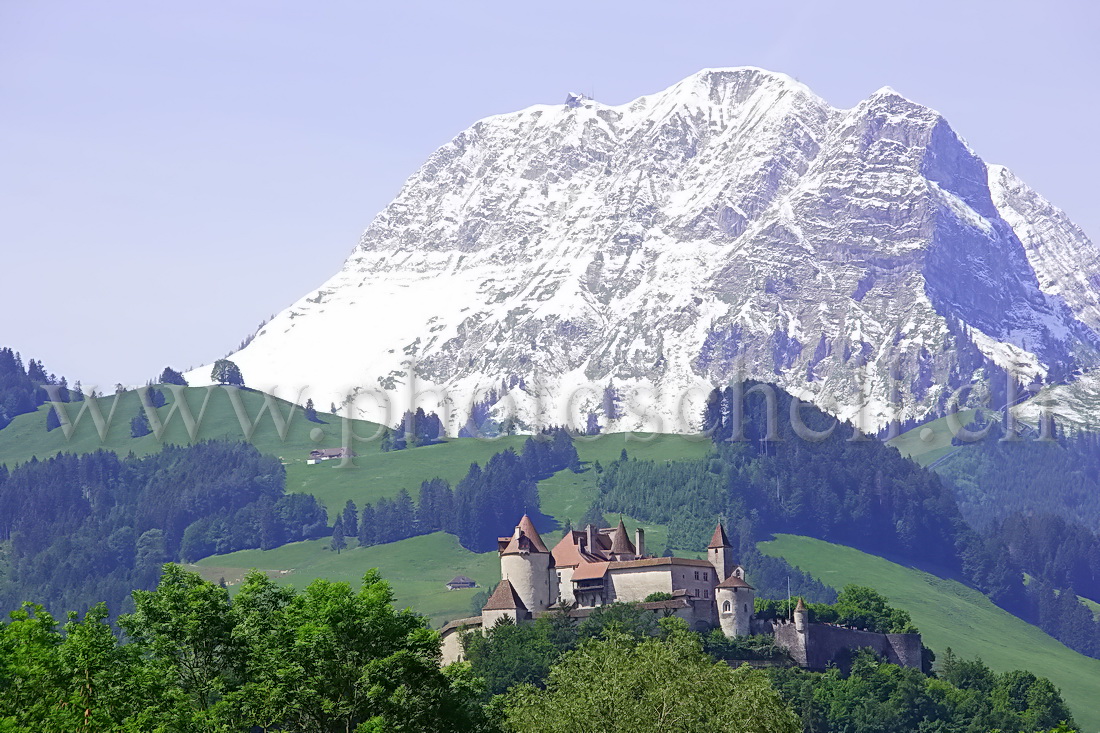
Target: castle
(593, 567)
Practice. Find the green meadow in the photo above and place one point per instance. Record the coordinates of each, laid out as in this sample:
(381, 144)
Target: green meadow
(929, 442)
(418, 569)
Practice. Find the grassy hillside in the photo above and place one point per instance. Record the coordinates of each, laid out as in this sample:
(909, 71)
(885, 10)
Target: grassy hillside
(951, 615)
(931, 441)
(26, 436)
(567, 495)
(418, 568)
(374, 474)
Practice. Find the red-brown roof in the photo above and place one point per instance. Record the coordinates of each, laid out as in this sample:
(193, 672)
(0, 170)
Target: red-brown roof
(459, 623)
(590, 570)
(734, 582)
(528, 540)
(528, 528)
(620, 541)
(567, 553)
(800, 606)
(650, 561)
(504, 598)
(719, 539)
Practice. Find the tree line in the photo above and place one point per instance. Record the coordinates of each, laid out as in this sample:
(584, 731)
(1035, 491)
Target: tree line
(688, 497)
(995, 478)
(21, 387)
(96, 526)
(475, 510)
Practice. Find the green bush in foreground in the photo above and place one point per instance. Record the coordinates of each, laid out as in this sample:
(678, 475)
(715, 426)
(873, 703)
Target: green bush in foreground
(324, 659)
(618, 683)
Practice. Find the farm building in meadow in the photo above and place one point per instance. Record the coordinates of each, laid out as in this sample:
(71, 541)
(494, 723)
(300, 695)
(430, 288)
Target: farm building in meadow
(461, 581)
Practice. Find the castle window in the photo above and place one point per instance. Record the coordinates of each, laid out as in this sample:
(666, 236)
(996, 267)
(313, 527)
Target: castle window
(706, 593)
(696, 592)
(697, 575)
(746, 608)
(706, 575)
(726, 608)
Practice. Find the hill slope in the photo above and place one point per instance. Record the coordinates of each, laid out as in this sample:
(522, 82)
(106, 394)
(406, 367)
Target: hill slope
(951, 615)
(373, 473)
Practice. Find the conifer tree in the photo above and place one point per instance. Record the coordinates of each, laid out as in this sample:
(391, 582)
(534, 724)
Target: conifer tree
(171, 376)
(270, 530)
(368, 527)
(338, 538)
(350, 516)
(139, 425)
(311, 411)
(36, 372)
(156, 397)
(52, 420)
(404, 519)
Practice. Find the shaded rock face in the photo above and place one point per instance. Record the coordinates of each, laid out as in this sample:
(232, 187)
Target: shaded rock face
(732, 226)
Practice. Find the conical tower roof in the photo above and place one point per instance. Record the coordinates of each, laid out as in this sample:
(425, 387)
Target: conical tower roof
(528, 528)
(800, 606)
(527, 541)
(719, 539)
(620, 541)
(734, 582)
(504, 598)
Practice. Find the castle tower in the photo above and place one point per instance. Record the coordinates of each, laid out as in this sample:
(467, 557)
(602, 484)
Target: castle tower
(504, 602)
(528, 566)
(735, 599)
(621, 547)
(720, 553)
(801, 617)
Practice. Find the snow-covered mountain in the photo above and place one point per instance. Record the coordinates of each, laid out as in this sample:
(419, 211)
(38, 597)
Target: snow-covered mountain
(733, 225)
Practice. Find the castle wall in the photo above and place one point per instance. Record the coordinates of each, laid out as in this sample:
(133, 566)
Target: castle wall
(490, 618)
(451, 637)
(683, 576)
(452, 647)
(788, 637)
(565, 585)
(735, 609)
(704, 614)
(632, 585)
(906, 649)
(827, 644)
(722, 560)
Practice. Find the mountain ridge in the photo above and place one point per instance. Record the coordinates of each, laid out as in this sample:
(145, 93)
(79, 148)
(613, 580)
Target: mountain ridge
(733, 225)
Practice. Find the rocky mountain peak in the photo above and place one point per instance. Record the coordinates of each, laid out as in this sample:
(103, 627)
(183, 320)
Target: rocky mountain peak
(731, 226)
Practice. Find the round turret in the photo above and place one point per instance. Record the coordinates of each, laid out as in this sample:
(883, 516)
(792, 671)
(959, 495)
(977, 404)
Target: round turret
(801, 616)
(529, 567)
(735, 599)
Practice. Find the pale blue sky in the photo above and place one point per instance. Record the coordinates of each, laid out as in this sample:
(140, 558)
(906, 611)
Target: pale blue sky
(172, 173)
